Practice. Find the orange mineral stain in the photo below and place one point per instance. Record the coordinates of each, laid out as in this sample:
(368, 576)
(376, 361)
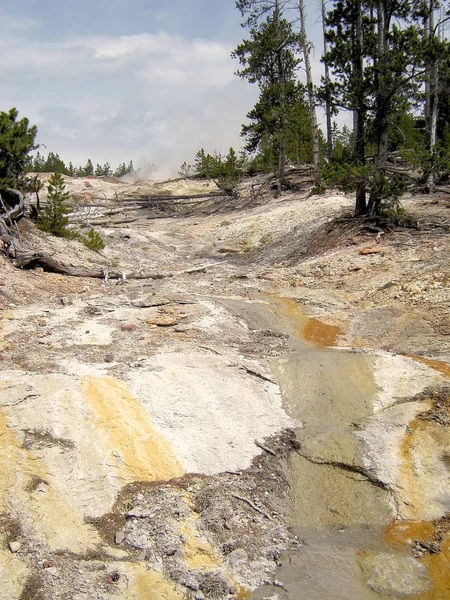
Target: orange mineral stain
(320, 333)
(199, 553)
(138, 450)
(438, 365)
(150, 585)
(431, 537)
(308, 328)
(439, 570)
(407, 472)
(405, 534)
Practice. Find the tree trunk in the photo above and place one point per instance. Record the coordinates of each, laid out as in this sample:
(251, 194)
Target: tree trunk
(431, 96)
(329, 146)
(282, 147)
(311, 99)
(382, 109)
(359, 113)
(433, 126)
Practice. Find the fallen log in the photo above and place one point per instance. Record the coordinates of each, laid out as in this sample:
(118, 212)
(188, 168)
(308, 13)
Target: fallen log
(23, 258)
(26, 259)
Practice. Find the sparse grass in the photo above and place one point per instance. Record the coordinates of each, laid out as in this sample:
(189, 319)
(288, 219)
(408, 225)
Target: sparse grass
(94, 555)
(10, 528)
(33, 589)
(214, 585)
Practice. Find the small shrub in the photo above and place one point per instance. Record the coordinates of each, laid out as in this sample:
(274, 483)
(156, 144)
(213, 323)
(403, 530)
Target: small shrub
(226, 172)
(186, 170)
(93, 240)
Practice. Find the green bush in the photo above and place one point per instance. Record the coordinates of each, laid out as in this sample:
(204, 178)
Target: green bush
(93, 240)
(226, 172)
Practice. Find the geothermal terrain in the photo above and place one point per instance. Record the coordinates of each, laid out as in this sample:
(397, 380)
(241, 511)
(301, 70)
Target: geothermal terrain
(252, 402)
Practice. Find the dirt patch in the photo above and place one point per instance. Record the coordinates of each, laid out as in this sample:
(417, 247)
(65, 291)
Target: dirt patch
(440, 410)
(209, 533)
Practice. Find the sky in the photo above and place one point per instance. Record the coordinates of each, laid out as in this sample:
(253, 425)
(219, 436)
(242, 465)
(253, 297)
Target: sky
(123, 80)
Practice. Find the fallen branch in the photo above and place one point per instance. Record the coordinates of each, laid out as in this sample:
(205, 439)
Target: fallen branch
(265, 448)
(250, 503)
(202, 268)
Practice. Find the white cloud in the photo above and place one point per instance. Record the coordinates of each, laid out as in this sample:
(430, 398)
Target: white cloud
(158, 97)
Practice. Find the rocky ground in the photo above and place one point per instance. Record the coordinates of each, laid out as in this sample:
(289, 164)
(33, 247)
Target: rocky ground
(266, 416)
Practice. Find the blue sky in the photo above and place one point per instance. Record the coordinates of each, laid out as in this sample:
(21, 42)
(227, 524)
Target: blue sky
(121, 80)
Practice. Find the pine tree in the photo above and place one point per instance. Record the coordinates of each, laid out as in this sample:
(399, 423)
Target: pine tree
(103, 170)
(350, 40)
(93, 240)
(226, 172)
(268, 59)
(53, 218)
(87, 170)
(377, 55)
(203, 164)
(17, 140)
(121, 170)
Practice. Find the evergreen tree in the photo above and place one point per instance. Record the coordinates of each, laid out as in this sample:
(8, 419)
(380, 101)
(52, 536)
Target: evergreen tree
(103, 170)
(54, 164)
(87, 170)
(226, 172)
(203, 164)
(35, 164)
(378, 53)
(53, 218)
(17, 140)
(186, 170)
(436, 64)
(121, 170)
(306, 48)
(268, 59)
(124, 169)
(350, 38)
(93, 240)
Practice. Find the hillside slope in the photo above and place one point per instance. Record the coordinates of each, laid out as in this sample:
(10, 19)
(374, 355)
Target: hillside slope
(267, 416)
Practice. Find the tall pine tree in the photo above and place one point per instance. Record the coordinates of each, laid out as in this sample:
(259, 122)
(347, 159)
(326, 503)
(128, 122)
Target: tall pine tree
(268, 59)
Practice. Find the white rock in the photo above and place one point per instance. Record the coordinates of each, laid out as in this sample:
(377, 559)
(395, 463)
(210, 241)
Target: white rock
(14, 546)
